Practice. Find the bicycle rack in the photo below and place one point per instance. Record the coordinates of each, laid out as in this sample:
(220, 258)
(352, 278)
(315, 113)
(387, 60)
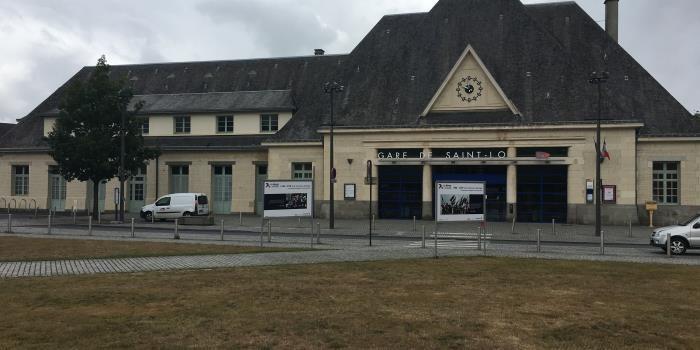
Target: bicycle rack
(4, 203)
(23, 200)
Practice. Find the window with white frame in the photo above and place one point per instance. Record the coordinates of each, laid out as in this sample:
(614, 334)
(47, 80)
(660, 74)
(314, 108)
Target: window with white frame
(182, 125)
(665, 182)
(269, 123)
(224, 124)
(145, 126)
(20, 180)
(302, 171)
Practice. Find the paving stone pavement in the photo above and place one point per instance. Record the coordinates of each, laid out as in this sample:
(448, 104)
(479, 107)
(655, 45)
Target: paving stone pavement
(145, 264)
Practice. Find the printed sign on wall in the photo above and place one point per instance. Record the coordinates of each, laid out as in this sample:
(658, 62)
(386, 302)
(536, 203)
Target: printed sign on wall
(460, 201)
(288, 199)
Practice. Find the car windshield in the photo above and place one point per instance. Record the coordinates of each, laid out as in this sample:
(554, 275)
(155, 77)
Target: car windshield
(202, 200)
(687, 222)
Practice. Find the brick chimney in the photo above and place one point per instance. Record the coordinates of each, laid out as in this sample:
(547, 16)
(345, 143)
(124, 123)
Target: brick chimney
(611, 18)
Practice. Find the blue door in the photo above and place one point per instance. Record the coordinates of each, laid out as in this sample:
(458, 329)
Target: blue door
(542, 193)
(400, 192)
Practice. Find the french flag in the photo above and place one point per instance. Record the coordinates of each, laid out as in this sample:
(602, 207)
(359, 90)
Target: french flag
(604, 152)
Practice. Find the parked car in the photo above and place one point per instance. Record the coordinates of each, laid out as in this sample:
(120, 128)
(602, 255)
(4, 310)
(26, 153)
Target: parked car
(176, 205)
(683, 236)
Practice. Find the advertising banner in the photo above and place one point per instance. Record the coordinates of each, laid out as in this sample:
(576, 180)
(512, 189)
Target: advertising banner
(288, 198)
(460, 201)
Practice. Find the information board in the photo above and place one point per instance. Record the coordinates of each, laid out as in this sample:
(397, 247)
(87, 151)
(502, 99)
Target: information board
(288, 198)
(460, 201)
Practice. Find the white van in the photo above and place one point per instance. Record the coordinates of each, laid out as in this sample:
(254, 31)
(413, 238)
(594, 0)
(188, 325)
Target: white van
(176, 205)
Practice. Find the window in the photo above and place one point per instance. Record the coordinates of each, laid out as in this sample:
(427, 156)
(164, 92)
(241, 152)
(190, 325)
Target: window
(137, 185)
(165, 201)
(224, 123)
(302, 171)
(182, 125)
(665, 182)
(20, 180)
(179, 178)
(268, 123)
(145, 126)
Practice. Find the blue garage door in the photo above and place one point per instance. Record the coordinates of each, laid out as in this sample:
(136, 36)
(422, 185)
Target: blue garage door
(400, 192)
(542, 193)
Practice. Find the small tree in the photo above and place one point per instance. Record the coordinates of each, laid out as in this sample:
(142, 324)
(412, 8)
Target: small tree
(85, 141)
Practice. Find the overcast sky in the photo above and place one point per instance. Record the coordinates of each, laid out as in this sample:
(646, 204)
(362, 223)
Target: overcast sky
(45, 42)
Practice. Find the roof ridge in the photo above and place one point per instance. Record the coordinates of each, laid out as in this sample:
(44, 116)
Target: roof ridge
(553, 3)
(222, 61)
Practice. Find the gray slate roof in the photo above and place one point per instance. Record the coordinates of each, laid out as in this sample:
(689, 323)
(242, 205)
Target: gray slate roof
(541, 55)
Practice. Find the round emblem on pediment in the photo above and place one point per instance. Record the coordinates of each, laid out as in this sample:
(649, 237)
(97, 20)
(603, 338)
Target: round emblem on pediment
(469, 89)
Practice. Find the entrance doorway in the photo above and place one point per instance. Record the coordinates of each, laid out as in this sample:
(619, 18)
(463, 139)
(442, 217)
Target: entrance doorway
(260, 177)
(400, 192)
(137, 191)
(496, 184)
(542, 193)
(222, 188)
(57, 190)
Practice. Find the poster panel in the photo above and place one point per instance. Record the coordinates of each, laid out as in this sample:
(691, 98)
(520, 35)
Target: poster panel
(460, 201)
(288, 198)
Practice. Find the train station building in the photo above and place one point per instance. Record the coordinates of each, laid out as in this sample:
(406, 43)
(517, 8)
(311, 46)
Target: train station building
(477, 90)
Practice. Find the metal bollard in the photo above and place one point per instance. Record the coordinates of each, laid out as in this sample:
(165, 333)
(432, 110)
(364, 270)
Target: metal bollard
(539, 240)
(262, 229)
(49, 228)
(9, 223)
(240, 218)
(177, 231)
(153, 218)
(478, 239)
(629, 230)
(423, 240)
(414, 223)
(74, 217)
(373, 225)
(222, 229)
(133, 230)
(318, 232)
(269, 231)
(99, 217)
(483, 230)
(312, 233)
(435, 237)
(90, 225)
(668, 245)
(602, 242)
(554, 227)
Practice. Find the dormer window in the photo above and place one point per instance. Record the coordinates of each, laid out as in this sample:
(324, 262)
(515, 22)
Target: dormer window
(269, 123)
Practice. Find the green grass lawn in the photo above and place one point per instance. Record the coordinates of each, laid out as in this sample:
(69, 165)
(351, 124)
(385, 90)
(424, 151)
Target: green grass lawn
(33, 249)
(458, 303)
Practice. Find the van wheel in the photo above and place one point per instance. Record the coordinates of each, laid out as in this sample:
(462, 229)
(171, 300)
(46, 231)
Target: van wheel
(148, 216)
(187, 213)
(677, 246)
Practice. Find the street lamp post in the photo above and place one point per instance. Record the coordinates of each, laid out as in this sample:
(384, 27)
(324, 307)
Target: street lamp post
(331, 88)
(122, 154)
(598, 79)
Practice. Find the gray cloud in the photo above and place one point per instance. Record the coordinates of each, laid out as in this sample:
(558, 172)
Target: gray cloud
(46, 42)
(280, 28)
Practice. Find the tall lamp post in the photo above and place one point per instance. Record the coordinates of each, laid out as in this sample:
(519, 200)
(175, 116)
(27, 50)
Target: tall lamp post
(122, 154)
(332, 88)
(598, 78)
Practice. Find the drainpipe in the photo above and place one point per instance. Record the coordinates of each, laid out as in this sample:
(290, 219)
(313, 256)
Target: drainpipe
(157, 176)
